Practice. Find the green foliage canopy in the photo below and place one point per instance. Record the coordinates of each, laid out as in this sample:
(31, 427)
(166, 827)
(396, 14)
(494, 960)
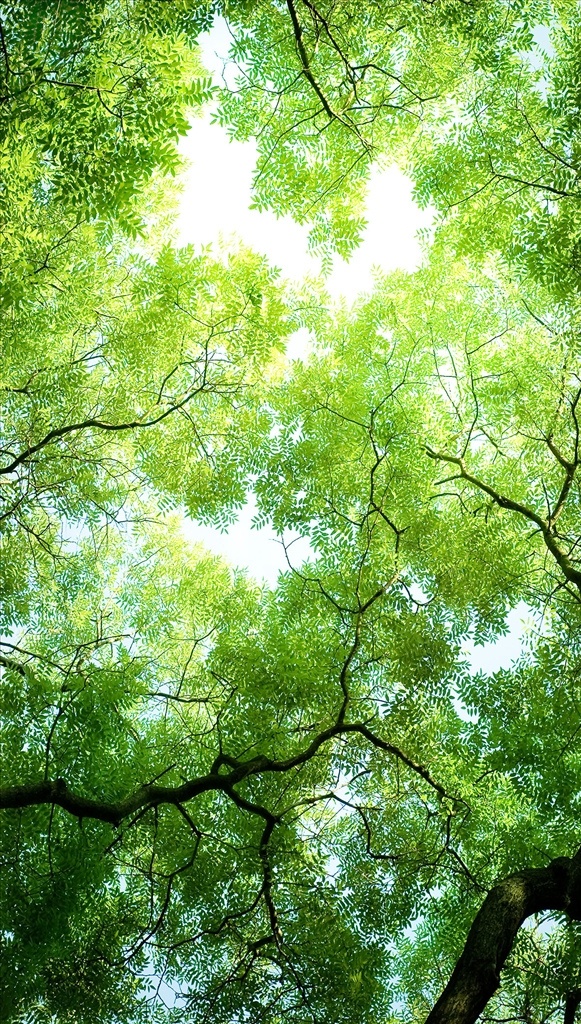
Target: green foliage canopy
(221, 801)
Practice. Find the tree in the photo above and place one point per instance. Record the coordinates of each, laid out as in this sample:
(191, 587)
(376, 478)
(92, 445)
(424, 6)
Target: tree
(225, 802)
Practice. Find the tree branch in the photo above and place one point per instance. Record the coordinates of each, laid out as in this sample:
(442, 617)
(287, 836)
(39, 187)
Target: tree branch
(58, 432)
(571, 1003)
(572, 574)
(57, 791)
(298, 34)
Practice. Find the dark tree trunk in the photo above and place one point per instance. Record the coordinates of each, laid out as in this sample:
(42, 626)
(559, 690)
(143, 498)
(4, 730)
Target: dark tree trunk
(571, 1003)
(477, 973)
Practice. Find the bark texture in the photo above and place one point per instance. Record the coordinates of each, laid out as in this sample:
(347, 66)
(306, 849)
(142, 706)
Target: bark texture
(490, 939)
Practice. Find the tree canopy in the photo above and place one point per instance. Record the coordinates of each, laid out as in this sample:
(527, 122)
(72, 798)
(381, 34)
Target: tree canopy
(222, 801)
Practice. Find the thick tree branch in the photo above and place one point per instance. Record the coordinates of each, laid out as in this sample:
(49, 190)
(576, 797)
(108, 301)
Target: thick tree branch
(298, 34)
(13, 665)
(343, 117)
(571, 1003)
(57, 791)
(70, 428)
(490, 939)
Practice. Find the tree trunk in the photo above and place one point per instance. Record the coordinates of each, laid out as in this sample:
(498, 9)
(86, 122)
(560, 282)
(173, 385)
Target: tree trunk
(490, 939)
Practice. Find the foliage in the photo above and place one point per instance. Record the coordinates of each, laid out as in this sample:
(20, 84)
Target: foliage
(479, 102)
(222, 801)
(327, 88)
(93, 98)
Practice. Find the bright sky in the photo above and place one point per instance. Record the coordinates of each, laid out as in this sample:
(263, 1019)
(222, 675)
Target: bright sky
(221, 173)
(215, 207)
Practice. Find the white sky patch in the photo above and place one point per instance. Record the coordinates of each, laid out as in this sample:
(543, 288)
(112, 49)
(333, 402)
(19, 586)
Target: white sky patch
(259, 551)
(390, 240)
(215, 207)
(299, 344)
(215, 204)
(501, 653)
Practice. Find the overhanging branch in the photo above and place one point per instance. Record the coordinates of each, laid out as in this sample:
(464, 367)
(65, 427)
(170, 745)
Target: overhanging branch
(57, 792)
(96, 424)
(545, 526)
